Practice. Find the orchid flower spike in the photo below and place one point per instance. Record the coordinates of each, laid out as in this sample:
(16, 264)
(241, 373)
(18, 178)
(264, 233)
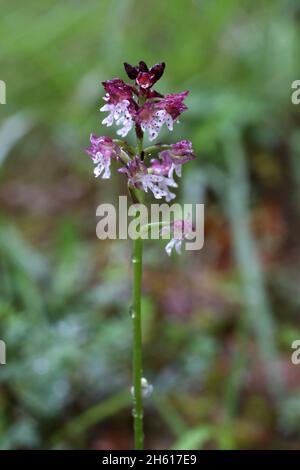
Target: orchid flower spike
(138, 106)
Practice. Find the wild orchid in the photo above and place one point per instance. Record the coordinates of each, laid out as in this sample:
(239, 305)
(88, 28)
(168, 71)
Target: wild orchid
(138, 106)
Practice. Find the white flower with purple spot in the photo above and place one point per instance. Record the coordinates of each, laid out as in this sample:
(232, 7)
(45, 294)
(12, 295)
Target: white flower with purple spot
(102, 150)
(179, 230)
(176, 155)
(119, 104)
(140, 177)
(165, 171)
(118, 113)
(154, 114)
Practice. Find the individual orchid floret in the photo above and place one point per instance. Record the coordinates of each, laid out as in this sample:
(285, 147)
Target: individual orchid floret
(102, 150)
(119, 104)
(165, 171)
(150, 120)
(179, 230)
(176, 155)
(173, 104)
(117, 90)
(181, 152)
(143, 76)
(140, 177)
(161, 167)
(165, 167)
(154, 114)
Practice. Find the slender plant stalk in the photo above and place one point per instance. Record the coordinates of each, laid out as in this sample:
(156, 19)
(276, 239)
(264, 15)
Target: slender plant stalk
(137, 362)
(137, 261)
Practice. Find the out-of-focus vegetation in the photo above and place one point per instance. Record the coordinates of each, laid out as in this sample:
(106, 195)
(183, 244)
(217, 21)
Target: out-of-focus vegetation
(218, 324)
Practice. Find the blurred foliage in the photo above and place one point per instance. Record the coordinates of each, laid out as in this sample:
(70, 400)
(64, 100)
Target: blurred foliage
(218, 324)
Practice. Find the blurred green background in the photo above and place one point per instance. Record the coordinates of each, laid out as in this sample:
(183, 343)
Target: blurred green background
(219, 323)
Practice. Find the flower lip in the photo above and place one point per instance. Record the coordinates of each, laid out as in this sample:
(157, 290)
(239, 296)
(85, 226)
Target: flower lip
(145, 79)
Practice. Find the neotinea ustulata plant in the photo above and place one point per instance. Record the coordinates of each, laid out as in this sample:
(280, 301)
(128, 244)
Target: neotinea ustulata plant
(137, 106)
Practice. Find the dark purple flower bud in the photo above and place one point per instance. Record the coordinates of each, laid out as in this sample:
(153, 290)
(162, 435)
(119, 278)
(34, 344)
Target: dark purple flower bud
(131, 71)
(102, 150)
(143, 66)
(144, 77)
(158, 70)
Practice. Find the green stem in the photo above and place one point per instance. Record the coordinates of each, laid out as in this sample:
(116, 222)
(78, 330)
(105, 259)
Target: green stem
(156, 148)
(137, 359)
(139, 147)
(125, 146)
(137, 344)
(137, 362)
